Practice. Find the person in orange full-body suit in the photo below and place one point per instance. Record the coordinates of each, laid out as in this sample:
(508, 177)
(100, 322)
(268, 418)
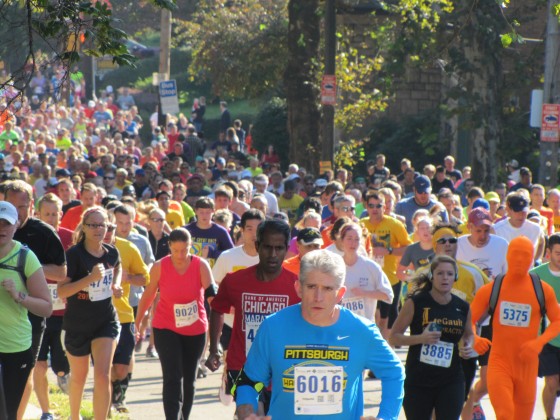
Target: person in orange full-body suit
(516, 344)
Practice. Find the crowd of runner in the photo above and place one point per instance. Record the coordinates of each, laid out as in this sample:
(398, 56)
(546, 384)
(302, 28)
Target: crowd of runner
(109, 242)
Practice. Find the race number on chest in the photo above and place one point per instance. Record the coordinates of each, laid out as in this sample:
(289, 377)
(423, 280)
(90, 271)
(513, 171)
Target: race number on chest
(101, 289)
(318, 390)
(438, 354)
(515, 314)
(185, 314)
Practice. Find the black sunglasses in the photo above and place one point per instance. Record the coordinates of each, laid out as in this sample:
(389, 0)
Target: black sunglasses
(443, 241)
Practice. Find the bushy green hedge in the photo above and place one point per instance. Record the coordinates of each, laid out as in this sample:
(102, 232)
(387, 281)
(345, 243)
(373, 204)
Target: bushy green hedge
(415, 138)
(271, 128)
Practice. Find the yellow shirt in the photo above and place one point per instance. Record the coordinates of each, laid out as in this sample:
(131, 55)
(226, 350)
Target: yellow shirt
(556, 223)
(132, 263)
(470, 279)
(389, 232)
(175, 219)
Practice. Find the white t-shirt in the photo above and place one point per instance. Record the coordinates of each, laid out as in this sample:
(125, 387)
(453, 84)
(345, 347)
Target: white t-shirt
(232, 260)
(529, 229)
(361, 250)
(272, 202)
(369, 276)
(491, 258)
(229, 261)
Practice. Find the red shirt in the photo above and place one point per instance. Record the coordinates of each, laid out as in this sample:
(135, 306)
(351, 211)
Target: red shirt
(252, 300)
(181, 299)
(65, 236)
(72, 218)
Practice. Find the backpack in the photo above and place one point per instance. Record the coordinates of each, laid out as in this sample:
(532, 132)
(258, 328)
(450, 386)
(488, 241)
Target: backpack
(496, 287)
(20, 267)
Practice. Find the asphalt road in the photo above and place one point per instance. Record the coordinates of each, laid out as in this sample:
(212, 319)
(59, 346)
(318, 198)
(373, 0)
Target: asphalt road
(144, 395)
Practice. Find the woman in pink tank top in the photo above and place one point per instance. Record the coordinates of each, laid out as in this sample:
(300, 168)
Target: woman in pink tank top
(180, 321)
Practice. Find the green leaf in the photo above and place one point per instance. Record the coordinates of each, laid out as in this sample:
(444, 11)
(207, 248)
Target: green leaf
(506, 39)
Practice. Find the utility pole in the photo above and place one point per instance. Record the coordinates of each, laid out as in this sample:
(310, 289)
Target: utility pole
(327, 153)
(548, 173)
(164, 57)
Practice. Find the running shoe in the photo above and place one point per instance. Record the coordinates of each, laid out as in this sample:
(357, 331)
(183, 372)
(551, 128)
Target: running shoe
(151, 352)
(47, 416)
(478, 413)
(63, 383)
(121, 408)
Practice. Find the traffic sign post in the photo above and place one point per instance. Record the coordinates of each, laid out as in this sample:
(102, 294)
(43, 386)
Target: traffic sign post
(550, 124)
(328, 90)
(169, 97)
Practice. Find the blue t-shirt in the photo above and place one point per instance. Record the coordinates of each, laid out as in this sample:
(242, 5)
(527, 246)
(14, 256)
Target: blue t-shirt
(354, 343)
(216, 238)
(408, 206)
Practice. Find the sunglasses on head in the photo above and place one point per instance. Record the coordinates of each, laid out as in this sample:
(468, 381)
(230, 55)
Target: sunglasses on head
(443, 241)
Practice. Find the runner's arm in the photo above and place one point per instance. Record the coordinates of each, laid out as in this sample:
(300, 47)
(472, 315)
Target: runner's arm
(149, 294)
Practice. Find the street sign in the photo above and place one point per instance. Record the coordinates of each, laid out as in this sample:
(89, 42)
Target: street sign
(325, 166)
(168, 97)
(550, 124)
(328, 89)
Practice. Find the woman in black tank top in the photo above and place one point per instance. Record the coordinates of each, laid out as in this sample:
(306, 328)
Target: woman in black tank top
(440, 333)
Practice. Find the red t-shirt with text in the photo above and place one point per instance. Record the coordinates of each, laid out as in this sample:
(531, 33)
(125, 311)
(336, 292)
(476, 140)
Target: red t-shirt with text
(252, 300)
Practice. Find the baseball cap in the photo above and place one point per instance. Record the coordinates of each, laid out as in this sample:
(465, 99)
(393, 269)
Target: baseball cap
(533, 214)
(479, 216)
(245, 174)
(308, 236)
(481, 203)
(292, 177)
(422, 184)
(321, 183)
(196, 176)
(8, 212)
(140, 172)
(261, 179)
(221, 161)
(62, 173)
(517, 203)
(513, 163)
(492, 196)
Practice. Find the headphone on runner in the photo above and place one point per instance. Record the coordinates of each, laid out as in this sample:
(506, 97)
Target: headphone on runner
(443, 259)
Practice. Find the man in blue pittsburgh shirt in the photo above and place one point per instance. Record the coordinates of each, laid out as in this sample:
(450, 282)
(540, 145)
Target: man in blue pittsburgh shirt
(314, 354)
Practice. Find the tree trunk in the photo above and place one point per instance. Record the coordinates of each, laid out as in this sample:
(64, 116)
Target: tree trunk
(482, 79)
(302, 93)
